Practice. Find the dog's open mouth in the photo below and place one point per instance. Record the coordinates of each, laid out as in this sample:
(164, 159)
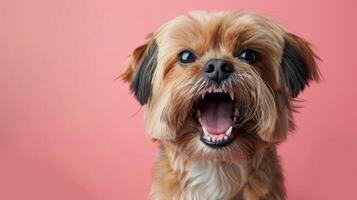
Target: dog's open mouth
(216, 115)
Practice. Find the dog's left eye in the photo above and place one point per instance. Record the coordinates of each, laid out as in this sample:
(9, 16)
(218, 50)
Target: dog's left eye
(248, 56)
(187, 57)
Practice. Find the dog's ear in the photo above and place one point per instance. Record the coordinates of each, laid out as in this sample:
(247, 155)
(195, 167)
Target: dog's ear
(298, 69)
(298, 64)
(139, 73)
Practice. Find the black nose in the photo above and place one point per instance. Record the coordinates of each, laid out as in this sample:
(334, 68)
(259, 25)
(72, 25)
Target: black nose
(218, 69)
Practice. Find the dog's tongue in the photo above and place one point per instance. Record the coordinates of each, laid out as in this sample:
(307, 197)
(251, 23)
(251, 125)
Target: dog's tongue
(216, 116)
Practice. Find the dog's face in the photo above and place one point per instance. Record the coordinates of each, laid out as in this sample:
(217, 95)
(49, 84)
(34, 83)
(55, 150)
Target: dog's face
(220, 85)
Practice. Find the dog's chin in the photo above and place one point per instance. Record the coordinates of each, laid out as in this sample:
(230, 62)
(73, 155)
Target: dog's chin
(215, 114)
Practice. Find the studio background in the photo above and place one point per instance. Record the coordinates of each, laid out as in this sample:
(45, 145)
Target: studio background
(68, 130)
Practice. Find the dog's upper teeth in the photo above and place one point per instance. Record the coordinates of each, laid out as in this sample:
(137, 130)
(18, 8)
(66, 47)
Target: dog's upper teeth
(231, 93)
(229, 131)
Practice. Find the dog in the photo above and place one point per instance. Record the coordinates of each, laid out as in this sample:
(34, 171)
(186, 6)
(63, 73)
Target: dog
(219, 91)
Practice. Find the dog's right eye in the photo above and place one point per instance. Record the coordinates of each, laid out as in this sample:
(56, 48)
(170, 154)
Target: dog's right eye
(187, 57)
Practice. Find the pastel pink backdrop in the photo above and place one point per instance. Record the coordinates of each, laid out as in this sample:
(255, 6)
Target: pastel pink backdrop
(69, 131)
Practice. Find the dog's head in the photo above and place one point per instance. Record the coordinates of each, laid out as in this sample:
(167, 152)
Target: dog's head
(220, 85)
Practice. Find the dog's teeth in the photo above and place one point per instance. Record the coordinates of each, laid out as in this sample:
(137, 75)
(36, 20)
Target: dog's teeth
(229, 131)
(225, 137)
(224, 90)
(205, 130)
(231, 94)
(203, 95)
(207, 137)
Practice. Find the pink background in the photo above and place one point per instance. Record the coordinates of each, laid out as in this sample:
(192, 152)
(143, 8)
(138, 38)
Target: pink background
(69, 131)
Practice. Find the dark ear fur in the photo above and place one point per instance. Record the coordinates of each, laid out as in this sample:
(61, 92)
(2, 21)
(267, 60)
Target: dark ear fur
(140, 71)
(299, 68)
(298, 64)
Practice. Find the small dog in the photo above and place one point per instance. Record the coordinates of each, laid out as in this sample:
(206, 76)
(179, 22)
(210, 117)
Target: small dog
(218, 90)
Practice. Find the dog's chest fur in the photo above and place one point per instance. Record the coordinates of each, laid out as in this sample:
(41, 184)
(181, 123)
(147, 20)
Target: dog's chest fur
(212, 180)
(179, 178)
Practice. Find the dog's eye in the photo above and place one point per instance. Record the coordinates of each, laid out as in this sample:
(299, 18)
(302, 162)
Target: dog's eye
(248, 56)
(187, 57)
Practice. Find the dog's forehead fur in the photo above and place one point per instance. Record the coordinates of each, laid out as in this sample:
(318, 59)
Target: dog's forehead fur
(202, 31)
(218, 35)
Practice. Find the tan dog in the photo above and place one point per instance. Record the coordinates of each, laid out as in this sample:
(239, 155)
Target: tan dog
(219, 92)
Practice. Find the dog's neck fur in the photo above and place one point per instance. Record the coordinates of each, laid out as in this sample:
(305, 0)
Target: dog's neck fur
(178, 177)
(212, 180)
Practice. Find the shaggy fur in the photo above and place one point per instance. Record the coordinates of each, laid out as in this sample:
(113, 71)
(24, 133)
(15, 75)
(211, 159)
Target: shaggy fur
(248, 168)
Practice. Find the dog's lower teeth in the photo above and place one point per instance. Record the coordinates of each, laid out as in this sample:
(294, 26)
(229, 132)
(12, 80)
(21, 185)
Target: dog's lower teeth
(229, 131)
(205, 131)
(207, 137)
(217, 139)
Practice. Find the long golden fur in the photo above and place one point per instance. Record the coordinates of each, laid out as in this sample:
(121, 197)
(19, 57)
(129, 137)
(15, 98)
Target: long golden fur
(248, 168)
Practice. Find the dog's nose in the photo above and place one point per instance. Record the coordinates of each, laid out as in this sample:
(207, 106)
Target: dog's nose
(218, 69)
